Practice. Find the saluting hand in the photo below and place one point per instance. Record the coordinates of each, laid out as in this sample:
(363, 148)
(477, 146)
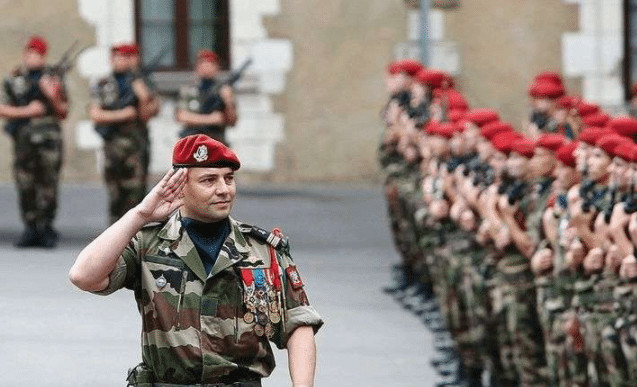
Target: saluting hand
(165, 197)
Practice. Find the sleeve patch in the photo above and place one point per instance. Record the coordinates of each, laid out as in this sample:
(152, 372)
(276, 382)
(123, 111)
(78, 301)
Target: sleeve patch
(294, 277)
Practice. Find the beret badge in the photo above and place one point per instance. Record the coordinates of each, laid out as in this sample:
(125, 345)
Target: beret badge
(201, 154)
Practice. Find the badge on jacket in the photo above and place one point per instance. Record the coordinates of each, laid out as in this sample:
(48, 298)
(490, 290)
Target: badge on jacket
(294, 277)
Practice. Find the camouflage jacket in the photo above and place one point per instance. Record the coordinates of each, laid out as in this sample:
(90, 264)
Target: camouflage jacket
(198, 328)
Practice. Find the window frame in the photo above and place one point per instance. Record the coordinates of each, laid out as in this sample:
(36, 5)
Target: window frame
(182, 43)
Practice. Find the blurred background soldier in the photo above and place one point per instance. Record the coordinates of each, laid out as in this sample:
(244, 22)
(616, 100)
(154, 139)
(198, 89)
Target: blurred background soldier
(144, 89)
(208, 107)
(121, 105)
(34, 101)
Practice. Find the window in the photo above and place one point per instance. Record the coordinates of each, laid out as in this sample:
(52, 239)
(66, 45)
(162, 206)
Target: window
(173, 31)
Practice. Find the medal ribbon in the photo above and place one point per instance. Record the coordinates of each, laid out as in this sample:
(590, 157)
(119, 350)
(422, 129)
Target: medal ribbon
(247, 277)
(274, 271)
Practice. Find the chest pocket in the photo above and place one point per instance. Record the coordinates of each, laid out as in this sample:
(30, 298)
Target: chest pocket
(165, 284)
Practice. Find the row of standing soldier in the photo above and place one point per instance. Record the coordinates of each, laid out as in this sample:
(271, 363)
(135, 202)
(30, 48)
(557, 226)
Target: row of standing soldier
(517, 247)
(35, 101)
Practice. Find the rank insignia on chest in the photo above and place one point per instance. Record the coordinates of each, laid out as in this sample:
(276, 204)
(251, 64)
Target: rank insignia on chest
(161, 281)
(294, 277)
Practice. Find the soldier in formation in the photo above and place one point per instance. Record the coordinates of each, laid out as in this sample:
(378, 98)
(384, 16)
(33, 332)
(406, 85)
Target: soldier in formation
(33, 103)
(516, 246)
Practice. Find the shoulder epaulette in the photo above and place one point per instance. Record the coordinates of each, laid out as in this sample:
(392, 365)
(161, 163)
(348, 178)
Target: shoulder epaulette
(276, 241)
(154, 224)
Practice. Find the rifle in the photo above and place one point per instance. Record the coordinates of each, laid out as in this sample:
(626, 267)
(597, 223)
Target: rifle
(59, 69)
(66, 61)
(212, 101)
(584, 192)
(128, 98)
(153, 64)
(608, 211)
(630, 205)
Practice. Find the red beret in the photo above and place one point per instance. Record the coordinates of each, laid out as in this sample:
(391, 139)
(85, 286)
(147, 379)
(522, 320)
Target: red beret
(447, 129)
(409, 66)
(585, 108)
(565, 154)
(548, 76)
(202, 151)
(37, 44)
(455, 100)
(393, 68)
(567, 102)
(456, 115)
(431, 127)
(626, 150)
(481, 117)
(592, 133)
(596, 119)
(625, 125)
(546, 89)
(207, 55)
(609, 142)
(550, 141)
(133, 49)
(431, 77)
(503, 141)
(494, 128)
(523, 146)
(121, 49)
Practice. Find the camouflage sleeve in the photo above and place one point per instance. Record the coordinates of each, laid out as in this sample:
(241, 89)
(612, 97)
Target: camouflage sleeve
(125, 272)
(298, 311)
(5, 96)
(95, 97)
(183, 98)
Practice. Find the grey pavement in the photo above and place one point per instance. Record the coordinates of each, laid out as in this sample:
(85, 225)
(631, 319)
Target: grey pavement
(55, 335)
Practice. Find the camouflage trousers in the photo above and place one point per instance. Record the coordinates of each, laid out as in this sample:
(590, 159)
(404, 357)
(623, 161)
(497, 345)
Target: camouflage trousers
(521, 343)
(606, 365)
(403, 203)
(628, 340)
(36, 169)
(126, 158)
(565, 367)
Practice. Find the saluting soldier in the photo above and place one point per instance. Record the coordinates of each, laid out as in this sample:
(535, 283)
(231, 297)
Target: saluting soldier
(34, 102)
(212, 291)
(120, 107)
(208, 107)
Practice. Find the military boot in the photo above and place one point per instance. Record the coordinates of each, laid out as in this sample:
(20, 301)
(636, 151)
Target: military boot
(400, 280)
(29, 238)
(48, 236)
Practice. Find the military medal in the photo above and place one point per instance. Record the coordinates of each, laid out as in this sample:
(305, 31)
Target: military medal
(161, 281)
(269, 331)
(275, 317)
(259, 330)
(248, 318)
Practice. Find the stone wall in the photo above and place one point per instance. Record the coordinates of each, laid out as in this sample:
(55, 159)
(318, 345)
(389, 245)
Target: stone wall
(335, 89)
(61, 24)
(503, 44)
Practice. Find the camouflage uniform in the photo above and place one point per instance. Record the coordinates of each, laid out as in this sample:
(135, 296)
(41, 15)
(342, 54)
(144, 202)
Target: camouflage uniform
(555, 291)
(626, 325)
(37, 149)
(194, 326)
(125, 147)
(519, 312)
(196, 99)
